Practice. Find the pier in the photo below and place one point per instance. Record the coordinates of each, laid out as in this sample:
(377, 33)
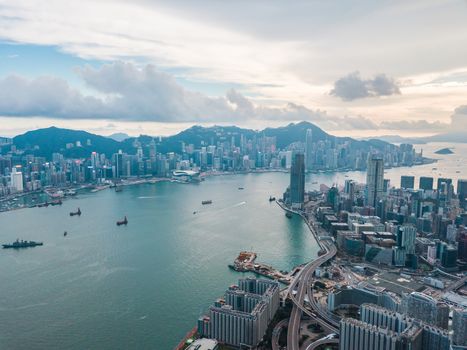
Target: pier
(246, 262)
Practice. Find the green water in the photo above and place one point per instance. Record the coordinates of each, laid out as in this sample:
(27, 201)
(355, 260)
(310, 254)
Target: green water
(142, 286)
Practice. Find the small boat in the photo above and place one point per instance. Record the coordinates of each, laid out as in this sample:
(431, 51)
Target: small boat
(21, 244)
(78, 212)
(65, 233)
(194, 212)
(206, 202)
(241, 188)
(288, 214)
(272, 199)
(118, 188)
(123, 222)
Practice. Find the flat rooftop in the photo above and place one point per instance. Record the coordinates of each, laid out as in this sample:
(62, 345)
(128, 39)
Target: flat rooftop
(203, 344)
(395, 283)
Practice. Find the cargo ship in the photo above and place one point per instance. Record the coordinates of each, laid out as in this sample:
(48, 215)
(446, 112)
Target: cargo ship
(206, 202)
(21, 244)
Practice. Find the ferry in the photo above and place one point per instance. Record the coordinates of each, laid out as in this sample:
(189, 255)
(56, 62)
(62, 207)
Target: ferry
(206, 202)
(21, 244)
(123, 222)
(78, 212)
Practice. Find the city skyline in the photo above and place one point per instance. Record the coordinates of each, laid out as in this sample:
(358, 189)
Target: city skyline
(251, 175)
(181, 64)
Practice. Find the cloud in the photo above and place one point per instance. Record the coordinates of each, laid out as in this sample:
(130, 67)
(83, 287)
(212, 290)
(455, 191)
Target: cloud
(126, 92)
(352, 87)
(45, 96)
(415, 125)
(459, 119)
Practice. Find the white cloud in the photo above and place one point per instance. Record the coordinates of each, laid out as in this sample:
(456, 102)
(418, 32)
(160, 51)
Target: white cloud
(129, 93)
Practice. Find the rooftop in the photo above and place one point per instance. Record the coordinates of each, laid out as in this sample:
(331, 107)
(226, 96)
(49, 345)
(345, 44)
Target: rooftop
(203, 344)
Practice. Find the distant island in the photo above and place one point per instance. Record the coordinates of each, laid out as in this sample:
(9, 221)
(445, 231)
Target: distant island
(444, 151)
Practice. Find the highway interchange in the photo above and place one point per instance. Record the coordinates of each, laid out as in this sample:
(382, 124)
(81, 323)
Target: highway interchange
(302, 286)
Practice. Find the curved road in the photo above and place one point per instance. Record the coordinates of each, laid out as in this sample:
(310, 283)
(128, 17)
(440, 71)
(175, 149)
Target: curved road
(276, 333)
(322, 341)
(300, 284)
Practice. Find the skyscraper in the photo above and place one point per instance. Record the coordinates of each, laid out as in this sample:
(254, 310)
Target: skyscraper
(407, 182)
(374, 180)
(462, 191)
(309, 149)
(425, 183)
(16, 180)
(297, 181)
(118, 159)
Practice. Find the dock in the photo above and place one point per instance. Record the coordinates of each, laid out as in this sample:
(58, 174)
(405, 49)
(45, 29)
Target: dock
(246, 262)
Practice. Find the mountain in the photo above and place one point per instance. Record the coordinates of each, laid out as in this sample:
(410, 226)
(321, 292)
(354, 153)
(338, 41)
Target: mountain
(444, 137)
(44, 142)
(119, 136)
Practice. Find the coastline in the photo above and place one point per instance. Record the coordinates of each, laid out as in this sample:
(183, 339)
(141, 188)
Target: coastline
(152, 180)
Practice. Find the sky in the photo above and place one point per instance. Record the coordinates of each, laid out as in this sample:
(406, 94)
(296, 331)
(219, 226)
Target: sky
(360, 68)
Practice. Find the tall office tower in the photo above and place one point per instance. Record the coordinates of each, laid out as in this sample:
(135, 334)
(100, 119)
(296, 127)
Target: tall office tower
(449, 257)
(462, 191)
(242, 317)
(406, 238)
(16, 180)
(424, 307)
(118, 159)
(374, 180)
(404, 252)
(297, 181)
(152, 150)
(425, 183)
(407, 182)
(309, 149)
(459, 326)
(441, 180)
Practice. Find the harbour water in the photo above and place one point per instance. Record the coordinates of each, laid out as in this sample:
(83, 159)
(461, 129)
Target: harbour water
(144, 285)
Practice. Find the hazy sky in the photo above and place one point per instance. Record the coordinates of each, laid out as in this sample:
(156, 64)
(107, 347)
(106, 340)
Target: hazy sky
(156, 67)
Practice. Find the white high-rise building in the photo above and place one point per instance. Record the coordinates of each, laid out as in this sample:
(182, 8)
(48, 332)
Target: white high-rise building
(374, 180)
(16, 180)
